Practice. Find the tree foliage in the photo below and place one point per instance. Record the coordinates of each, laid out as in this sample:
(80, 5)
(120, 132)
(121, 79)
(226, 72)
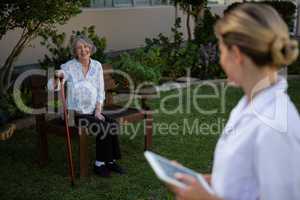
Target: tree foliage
(192, 8)
(204, 29)
(31, 17)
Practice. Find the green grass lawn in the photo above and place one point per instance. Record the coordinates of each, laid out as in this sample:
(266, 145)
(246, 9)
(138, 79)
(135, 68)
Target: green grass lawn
(20, 178)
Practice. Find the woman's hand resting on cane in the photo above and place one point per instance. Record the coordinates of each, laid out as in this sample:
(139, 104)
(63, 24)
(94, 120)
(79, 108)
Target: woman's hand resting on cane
(58, 76)
(98, 112)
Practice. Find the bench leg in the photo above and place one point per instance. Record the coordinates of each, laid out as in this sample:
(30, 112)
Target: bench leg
(42, 143)
(148, 130)
(83, 152)
(43, 148)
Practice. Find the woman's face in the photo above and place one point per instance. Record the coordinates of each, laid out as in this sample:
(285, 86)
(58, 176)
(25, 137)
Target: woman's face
(229, 63)
(82, 51)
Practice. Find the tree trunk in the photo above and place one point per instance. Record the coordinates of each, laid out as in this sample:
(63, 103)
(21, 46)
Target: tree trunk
(7, 69)
(176, 10)
(198, 17)
(188, 19)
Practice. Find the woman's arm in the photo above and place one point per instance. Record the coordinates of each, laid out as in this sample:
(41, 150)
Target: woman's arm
(100, 94)
(207, 177)
(101, 86)
(98, 111)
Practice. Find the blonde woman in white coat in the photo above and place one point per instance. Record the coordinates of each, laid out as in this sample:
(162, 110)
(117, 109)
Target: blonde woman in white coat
(258, 153)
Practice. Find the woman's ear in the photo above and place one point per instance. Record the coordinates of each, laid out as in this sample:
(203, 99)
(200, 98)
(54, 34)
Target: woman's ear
(239, 56)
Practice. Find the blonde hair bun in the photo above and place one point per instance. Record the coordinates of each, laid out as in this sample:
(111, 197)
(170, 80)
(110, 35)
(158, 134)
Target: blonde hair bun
(284, 51)
(259, 32)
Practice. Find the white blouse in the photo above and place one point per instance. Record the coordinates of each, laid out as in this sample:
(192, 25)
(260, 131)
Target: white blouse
(83, 92)
(258, 153)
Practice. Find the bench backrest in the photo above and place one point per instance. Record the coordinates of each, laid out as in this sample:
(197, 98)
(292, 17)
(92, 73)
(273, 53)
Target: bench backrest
(109, 83)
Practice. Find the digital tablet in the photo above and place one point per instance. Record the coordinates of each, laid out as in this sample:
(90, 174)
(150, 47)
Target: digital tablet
(166, 170)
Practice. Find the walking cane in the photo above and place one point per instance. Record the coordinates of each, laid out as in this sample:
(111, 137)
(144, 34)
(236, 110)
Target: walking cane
(68, 139)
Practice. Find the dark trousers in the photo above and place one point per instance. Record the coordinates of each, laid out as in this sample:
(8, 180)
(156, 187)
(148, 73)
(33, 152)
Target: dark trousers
(106, 132)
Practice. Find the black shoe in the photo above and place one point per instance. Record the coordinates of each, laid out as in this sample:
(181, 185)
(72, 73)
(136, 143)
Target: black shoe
(102, 171)
(113, 166)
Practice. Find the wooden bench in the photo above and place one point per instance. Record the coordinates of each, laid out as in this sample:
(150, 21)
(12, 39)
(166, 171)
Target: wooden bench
(56, 126)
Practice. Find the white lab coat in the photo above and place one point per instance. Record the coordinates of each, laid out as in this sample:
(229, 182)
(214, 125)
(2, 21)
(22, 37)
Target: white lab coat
(258, 154)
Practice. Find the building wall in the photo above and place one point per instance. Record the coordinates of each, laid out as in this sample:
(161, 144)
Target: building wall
(124, 28)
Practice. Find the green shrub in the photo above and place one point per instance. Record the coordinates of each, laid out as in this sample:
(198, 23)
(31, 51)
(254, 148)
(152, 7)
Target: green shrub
(172, 51)
(60, 51)
(141, 66)
(200, 55)
(294, 68)
(9, 109)
(204, 29)
(187, 58)
(164, 43)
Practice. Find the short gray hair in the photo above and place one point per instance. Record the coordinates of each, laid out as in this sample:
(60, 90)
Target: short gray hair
(82, 39)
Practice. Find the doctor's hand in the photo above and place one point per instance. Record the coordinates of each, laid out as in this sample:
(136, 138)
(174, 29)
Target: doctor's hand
(99, 115)
(207, 177)
(193, 190)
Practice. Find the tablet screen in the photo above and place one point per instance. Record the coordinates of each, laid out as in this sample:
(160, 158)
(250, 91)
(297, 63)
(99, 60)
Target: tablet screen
(170, 169)
(166, 170)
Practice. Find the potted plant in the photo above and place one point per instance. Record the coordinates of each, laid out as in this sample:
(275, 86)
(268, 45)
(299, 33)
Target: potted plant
(6, 128)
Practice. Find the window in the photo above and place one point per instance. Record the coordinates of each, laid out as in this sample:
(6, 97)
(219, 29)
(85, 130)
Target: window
(101, 3)
(142, 2)
(216, 2)
(126, 3)
(161, 2)
(122, 3)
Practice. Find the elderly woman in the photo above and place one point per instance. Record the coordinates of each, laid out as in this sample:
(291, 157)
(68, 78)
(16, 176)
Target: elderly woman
(258, 153)
(85, 97)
